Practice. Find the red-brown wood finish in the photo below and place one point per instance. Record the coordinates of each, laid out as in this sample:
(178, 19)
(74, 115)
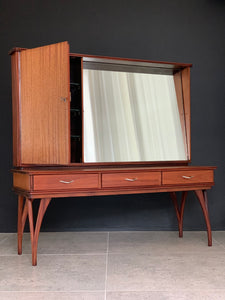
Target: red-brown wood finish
(180, 103)
(152, 63)
(34, 231)
(179, 211)
(23, 158)
(202, 197)
(131, 179)
(15, 66)
(171, 65)
(186, 84)
(22, 211)
(40, 80)
(37, 175)
(187, 177)
(65, 181)
(45, 184)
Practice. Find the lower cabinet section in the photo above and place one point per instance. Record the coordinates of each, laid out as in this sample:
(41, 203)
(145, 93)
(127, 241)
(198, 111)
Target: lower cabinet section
(45, 184)
(112, 180)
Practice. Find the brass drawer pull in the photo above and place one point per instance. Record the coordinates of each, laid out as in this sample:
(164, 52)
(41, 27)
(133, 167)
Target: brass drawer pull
(130, 179)
(187, 177)
(62, 181)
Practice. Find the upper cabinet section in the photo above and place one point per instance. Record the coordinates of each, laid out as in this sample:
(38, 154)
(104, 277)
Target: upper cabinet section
(87, 110)
(41, 99)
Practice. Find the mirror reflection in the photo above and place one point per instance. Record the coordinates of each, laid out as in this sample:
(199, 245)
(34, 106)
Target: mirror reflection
(131, 117)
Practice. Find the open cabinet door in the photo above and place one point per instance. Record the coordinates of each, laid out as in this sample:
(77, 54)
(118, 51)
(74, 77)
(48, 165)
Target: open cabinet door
(44, 102)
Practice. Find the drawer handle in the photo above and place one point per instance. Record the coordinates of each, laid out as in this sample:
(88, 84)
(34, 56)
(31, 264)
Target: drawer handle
(67, 182)
(130, 179)
(187, 177)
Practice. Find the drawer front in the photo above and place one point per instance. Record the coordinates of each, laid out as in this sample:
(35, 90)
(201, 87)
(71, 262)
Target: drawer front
(131, 179)
(65, 181)
(187, 177)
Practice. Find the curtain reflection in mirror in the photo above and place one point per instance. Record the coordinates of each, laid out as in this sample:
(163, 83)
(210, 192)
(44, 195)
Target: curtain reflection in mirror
(131, 117)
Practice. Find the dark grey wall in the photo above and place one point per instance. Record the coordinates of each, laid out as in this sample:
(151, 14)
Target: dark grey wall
(181, 31)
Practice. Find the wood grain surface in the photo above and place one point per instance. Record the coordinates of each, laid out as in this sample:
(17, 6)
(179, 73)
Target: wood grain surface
(44, 112)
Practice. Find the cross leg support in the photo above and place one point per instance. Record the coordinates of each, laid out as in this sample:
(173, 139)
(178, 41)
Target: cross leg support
(202, 197)
(179, 210)
(34, 231)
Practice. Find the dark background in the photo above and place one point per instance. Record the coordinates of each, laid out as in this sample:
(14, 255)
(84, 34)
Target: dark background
(186, 31)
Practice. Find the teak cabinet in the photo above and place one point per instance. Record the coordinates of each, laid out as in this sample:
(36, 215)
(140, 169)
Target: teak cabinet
(51, 125)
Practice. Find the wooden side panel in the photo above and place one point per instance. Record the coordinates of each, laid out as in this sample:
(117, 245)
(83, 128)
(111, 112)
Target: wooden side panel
(186, 84)
(45, 101)
(21, 181)
(180, 103)
(15, 108)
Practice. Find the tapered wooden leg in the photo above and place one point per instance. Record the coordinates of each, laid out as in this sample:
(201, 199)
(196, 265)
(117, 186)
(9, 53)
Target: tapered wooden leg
(29, 203)
(34, 233)
(22, 216)
(202, 197)
(184, 197)
(19, 224)
(179, 211)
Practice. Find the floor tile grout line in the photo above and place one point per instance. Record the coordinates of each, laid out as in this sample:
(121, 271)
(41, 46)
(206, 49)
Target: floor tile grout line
(158, 254)
(113, 291)
(56, 254)
(106, 264)
(165, 290)
(53, 291)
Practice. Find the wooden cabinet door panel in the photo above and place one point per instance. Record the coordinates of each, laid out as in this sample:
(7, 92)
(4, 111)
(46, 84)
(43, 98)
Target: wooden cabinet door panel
(44, 105)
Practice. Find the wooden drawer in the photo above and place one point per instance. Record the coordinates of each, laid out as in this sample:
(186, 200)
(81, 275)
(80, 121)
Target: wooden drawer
(65, 181)
(187, 177)
(131, 179)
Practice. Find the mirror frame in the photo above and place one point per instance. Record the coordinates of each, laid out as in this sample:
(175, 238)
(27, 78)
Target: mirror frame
(180, 70)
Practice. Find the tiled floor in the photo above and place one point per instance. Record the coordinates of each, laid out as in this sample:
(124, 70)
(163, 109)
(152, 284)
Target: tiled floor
(114, 266)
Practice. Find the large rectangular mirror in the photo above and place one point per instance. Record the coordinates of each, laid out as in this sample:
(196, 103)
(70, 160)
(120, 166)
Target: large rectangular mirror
(132, 114)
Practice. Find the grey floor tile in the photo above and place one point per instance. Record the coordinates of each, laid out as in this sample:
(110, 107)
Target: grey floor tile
(8, 243)
(57, 243)
(4, 236)
(162, 242)
(53, 273)
(52, 296)
(147, 272)
(174, 295)
(219, 237)
(141, 265)
(72, 242)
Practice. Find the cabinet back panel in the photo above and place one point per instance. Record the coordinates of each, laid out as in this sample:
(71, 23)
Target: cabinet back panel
(76, 109)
